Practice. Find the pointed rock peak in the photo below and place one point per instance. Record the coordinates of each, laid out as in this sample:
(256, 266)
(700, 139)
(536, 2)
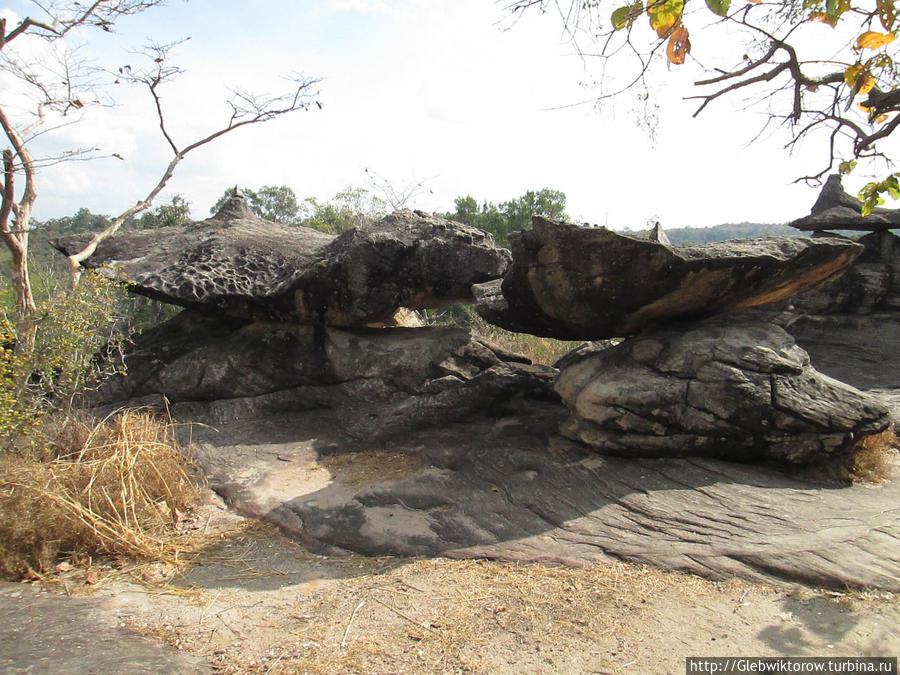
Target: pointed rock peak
(833, 195)
(658, 235)
(235, 208)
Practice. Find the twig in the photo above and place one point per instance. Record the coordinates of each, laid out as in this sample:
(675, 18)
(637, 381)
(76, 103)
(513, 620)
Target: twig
(420, 624)
(225, 623)
(350, 622)
(275, 663)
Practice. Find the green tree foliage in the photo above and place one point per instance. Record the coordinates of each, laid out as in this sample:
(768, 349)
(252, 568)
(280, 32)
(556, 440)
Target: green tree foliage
(511, 215)
(176, 211)
(352, 207)
(349, 208)
(63, 364)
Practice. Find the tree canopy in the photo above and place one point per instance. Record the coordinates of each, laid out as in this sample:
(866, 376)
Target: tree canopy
(824, 69)
(511, 215)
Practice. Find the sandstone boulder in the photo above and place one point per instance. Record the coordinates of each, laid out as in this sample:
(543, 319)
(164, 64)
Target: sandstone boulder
(577, 283)
(240, 265)
(730, 388)
(386, 379)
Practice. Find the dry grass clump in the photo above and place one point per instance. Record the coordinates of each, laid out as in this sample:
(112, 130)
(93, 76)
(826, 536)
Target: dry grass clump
(360, 468)
(872, 460)
(539, 349)
(114, 487)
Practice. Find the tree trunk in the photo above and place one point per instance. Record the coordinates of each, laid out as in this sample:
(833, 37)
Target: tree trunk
(25, 307)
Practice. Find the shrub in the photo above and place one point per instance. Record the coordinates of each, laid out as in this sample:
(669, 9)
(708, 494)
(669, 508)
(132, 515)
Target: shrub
(69, 331)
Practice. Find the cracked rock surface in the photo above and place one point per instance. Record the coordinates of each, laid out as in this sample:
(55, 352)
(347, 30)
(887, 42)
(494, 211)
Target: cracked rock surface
(731, 388)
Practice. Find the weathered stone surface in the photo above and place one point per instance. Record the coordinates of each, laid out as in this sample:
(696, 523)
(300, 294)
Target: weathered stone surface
(579, 283)
(238, 264)
(871, 285)
(388, 379)
(836, 210)
(506, 488)
(46, 632)
(860, 350)
(726, 388)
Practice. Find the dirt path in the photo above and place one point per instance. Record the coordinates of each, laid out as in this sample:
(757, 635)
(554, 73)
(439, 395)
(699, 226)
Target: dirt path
(258, 602)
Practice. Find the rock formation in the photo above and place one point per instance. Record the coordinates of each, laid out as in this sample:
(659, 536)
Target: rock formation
(577, 283)
(212, 368)
(729, 387)
(851, 328)
(239, 265)
(836, 210)
(450, 444)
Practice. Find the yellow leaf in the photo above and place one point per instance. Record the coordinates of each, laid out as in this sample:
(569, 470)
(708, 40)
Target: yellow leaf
(665, 15)
(881, 119)
(852, 73)
(679, 45)
(873, 40)
(859, 79)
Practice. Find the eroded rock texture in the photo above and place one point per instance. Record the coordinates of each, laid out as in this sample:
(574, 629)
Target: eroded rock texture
(577, 283)
(870, 286)
(727, 388)
(386, 379)
(836, 210)
(240, 265)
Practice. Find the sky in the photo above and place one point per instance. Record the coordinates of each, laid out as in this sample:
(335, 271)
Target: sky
(449, 93)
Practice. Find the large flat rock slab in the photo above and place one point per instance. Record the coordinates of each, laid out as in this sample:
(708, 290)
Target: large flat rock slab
(509, 488)
(239, 265)
(583, 283)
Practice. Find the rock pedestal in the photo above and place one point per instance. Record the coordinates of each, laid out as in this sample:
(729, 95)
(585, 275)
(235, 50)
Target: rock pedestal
(730, 388)
(386, 379)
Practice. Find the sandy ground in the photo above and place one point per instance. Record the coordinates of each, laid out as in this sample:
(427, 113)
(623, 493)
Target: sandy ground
(257, 602)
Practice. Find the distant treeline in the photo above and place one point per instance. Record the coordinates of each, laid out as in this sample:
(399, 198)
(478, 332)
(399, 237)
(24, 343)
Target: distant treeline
(707, 235)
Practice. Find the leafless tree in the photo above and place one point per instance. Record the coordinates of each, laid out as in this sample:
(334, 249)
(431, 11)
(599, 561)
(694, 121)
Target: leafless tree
(54, 94)
(767, 57)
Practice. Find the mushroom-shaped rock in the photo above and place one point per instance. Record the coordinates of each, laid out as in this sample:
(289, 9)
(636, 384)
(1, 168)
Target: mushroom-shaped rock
(729, 388)
(241, 265)
(836, 210)
(579, 283)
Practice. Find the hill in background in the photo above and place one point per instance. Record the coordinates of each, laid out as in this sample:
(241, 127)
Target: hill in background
(707, 235)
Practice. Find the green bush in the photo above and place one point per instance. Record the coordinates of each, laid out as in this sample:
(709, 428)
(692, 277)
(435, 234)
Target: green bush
(70, 329)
